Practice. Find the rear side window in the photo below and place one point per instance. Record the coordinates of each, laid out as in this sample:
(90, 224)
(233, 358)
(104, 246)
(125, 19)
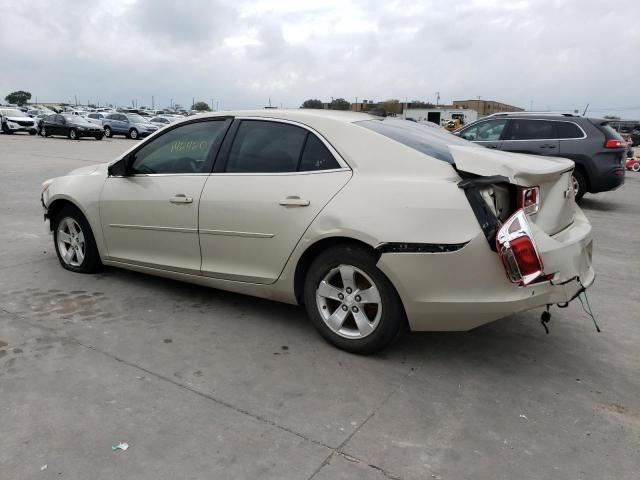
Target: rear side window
(266, 147)
(316, 156)
(530, 130)
(430, 141)
(609, 132)
(568, 130)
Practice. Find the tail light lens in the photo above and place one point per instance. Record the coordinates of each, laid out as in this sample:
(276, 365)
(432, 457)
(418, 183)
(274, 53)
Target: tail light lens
(529, 199)
(613, 143)
(517, 250)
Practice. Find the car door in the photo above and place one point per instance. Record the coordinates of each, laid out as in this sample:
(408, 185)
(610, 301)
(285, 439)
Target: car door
(271, 180)
(487, 133)
(531, 136)
(149, 211)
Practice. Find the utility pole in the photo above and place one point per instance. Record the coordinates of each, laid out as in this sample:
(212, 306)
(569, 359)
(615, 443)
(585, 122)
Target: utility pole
(171, 104)
(193, 102)
(217, 105)
(76, 99)
(153, 105)
(212, 104)
(437, 98)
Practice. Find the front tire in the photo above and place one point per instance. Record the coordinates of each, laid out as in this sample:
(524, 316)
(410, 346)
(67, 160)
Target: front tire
(73, 134)
(351, 303)
(579, 184)
(635, 167)
(133, 134)
(99, 137)
(43, 132)
(107, 132)
(74, 242)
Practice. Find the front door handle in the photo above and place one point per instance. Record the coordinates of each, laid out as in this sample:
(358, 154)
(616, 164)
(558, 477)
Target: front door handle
(294, 201)
(181, 198)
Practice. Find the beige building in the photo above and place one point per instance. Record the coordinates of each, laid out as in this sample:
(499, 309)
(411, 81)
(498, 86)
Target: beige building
(485, 107)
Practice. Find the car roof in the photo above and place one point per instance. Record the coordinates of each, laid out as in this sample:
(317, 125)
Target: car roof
(297, 114)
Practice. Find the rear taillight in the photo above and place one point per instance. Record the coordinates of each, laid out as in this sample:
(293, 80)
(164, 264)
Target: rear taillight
(613, 143)
(517, 250)
(529, 199)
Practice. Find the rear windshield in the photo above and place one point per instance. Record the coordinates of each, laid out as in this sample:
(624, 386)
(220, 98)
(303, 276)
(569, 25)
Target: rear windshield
(430, 141)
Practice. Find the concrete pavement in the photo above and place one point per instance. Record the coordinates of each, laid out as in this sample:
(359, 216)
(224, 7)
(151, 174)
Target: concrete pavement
(207, 384)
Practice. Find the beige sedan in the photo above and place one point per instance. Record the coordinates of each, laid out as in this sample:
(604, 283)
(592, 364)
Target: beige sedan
(372, 223)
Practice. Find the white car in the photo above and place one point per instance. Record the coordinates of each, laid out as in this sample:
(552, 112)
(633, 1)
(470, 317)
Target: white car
(13, 121)
(371, 223)
(163, 120)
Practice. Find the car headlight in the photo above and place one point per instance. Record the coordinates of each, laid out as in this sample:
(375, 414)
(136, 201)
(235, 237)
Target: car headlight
(46, 184)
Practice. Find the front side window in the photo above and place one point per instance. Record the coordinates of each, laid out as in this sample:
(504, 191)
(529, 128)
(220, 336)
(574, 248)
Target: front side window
(488, 131)
(530, 130)
(182, 150)
(265, 147)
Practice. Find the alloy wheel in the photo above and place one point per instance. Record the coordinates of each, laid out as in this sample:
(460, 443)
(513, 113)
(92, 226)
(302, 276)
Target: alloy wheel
(71, 243)
(576, 185)
(349, 302)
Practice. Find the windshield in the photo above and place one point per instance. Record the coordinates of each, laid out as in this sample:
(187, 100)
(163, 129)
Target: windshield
(135, 118)
(72, 118)
(430, 141)
(12, 113)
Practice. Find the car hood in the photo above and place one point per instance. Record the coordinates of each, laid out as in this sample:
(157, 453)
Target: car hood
(520, 169)
(18, 119)
(88, 170)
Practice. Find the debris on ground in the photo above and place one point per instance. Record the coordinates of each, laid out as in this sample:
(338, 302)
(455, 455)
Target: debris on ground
(121, 446)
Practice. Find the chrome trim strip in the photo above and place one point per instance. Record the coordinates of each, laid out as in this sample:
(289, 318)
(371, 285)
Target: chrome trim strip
(584, 134)
(272, 174)
(230, 233)
(152, 227)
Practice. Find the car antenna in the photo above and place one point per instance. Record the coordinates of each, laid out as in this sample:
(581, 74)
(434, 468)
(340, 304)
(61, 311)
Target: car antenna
(545, 318)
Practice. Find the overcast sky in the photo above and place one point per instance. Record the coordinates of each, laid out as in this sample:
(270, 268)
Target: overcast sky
(556, 54)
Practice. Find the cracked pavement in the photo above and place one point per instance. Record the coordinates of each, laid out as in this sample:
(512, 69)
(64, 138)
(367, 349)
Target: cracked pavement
(207, 384)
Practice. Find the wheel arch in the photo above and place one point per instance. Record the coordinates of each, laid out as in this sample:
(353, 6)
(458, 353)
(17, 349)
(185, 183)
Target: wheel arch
(56, 206)
(312, 252)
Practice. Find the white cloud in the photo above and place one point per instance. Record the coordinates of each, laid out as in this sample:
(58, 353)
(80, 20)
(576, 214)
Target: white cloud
(558, 54)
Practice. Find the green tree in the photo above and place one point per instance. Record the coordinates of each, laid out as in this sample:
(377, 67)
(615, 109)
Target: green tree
(201, 107)
(339, 104)
(391, 106)
(420, 104)
(312, 103)
(20, 97)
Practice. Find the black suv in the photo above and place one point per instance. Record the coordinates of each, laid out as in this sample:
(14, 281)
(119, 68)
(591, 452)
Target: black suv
(596, 148)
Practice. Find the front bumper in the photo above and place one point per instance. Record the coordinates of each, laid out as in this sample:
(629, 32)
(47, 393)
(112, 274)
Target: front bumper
(90, 132)
(15, 127)
(465, 289)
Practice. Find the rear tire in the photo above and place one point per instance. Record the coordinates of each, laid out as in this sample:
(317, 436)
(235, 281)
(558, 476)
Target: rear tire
(635, 167)
(74, 242)
(361, 324)
(579, 185)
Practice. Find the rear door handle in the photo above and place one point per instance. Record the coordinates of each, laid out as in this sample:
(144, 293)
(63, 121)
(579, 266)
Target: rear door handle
(294, 201)
(181, 198)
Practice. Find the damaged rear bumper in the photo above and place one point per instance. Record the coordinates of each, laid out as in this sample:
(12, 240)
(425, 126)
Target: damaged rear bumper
(463, 289)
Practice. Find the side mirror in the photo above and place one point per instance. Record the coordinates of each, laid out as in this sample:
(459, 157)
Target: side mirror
(122, 167)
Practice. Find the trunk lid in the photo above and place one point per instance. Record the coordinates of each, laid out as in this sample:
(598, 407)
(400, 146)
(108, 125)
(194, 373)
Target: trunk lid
(551, 174)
